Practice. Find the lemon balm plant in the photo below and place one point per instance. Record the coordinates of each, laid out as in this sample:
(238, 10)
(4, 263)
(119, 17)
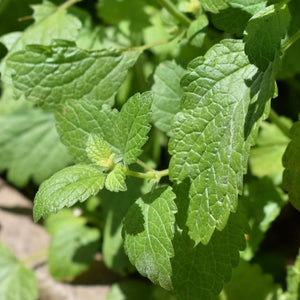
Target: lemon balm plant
(147, 118)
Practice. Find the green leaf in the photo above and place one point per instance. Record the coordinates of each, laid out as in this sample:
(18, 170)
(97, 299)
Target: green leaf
(99, 152)
(166, 94)
(30, 146)
(125, 132)
(133, 126)
(52, 75)
(113, 251)
(115, 180)
(235, 18)
(198, 272)
(225, 100)
(266, 156)
(73, 245)
(149, 228)
(214, 6)
(65, 188)
(264, 33)
(291, 164)
(293, 281)
(16, 281)
(262, 202)
(196, 31)
(137, 289)
(248, 282)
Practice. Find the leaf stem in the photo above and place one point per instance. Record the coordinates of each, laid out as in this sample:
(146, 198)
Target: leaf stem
(273, 116)
(291, 41)
(67, 4)
(145, 166)
(172, 9)
(157, 175)
(35, 256)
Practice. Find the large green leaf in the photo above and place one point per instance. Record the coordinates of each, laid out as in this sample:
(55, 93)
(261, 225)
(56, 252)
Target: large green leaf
(16, 281)
(149, 228)
(30, 146)
(125, 132)
(52, 75)
(235, 18)
(73, 245)
(291, 163)
(166, 94)
(65, 188)
(225, 100)
(199, 272)
(264, 32)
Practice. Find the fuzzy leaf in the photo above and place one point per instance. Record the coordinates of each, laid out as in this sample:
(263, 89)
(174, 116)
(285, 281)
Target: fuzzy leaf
(73, 245)
(148, 233)
(166, 94)
(125, 132)
(264, 32)
(115, 180)
(99, 152)
(225, 100)
(30, 146)
(291, 163)
(65, 188)
(16, 281)
(52, 75)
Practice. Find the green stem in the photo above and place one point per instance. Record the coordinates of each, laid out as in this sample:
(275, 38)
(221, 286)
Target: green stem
(172, 9)
(291, 41)
(67, 4)
(278, 122)
(145, 166)
(35, 256)
(157, 175)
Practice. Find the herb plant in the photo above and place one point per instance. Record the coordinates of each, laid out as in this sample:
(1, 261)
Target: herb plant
(146, 116)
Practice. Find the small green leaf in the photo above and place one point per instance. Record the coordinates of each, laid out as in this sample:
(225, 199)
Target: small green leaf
(115, 180)
(16, 281)
(293, 280)
(167, 93)
(196, 31)
(99, 152)
(69, 73)
(73, 245)
(30, 146)
(264, 33)
(148, 233)
(214, 6)
(291, 163)
(65, 188)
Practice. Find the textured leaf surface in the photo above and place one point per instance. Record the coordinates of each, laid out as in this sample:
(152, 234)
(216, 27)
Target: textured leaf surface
(99, 152)
(113, 251)
(266, 156)
(262, 202)
(225, 100)
(264, 33)
(166, 94)
(16, 281)
(125, 132)
(115, 180)
(52, 75)
(30, 146)
(291, 163)
(65, 188)
(73, 245)
(199, 272)
(214, 6)
(148, 233)
(234, 18)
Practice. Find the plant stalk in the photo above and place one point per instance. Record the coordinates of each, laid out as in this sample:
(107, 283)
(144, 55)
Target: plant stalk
(157, 175)
(67, 4)
(290, 42)
(35, 256)
(172, 9)
(274, 118)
